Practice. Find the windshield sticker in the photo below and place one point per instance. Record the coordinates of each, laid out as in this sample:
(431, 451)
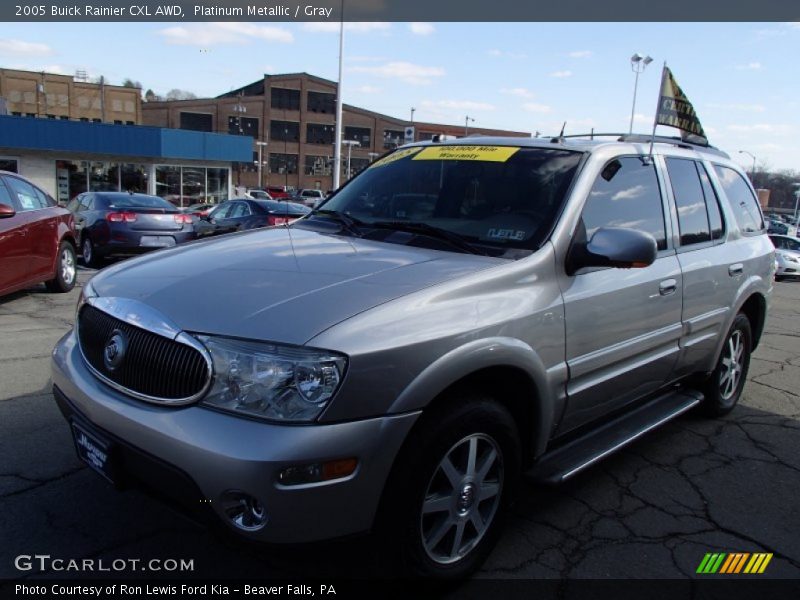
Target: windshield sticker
(482, 153)
(516, 235)
(395, 156)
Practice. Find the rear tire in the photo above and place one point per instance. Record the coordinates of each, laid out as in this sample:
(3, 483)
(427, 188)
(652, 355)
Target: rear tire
(66, 269)
(89, 253)
(443, 506)
(723, 388)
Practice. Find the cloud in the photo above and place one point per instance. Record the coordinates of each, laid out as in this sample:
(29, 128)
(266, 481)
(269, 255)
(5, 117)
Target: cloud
(504, 54)
(751, 66)
(628, 194)
(22, 48)
(368, 89)
(457, 105)
(580, 54)
(210, 34)
(743, 107)
(519, 92)
(536, 108)
(353, 27)
(561, 74)
(421, 28)
(403, 71)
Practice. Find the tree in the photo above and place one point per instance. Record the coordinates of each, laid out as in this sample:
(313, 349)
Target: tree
(176, 94)
(150, 96)
(131, 83)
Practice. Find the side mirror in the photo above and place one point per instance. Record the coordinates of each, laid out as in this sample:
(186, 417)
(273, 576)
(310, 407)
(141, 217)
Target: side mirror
(616, 247)
(6, 211)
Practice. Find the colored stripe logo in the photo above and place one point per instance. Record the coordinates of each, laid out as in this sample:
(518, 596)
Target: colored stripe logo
(734, 563)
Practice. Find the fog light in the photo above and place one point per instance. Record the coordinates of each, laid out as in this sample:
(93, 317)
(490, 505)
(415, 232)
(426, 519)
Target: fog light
(317, 472)
(243, 510)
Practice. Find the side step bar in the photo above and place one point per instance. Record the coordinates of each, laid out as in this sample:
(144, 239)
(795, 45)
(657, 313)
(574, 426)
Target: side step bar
(565, 461)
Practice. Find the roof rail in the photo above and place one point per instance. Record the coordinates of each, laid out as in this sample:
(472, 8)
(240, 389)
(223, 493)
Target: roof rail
(642, 138)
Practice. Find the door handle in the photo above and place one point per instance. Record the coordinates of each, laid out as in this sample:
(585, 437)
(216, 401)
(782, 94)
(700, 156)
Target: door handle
(667, 287)
(736, 269)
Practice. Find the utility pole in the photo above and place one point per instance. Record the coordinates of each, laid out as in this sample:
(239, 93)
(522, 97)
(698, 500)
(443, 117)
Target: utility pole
(413, 110)
(337, 135)
(467, 119)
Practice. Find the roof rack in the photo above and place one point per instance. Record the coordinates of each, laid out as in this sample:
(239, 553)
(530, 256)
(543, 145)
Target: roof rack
(641, 138)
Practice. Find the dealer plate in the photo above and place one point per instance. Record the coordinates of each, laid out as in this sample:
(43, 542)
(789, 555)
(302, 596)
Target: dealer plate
(94, 451)
(157, 241)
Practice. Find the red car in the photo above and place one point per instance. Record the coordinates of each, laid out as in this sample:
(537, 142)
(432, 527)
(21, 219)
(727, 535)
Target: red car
(278, 192)
(37, 238)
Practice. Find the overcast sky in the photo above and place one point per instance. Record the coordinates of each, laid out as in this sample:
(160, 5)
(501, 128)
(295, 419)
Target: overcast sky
(741, 77)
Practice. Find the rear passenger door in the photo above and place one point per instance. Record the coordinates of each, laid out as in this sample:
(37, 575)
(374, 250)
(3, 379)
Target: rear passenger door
(622, 325)
(710, 276)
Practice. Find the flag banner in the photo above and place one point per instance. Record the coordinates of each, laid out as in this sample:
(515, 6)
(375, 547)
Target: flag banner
(675, 110)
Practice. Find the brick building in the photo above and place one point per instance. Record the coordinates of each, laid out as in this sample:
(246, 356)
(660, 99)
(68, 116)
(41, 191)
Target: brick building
(295, 115)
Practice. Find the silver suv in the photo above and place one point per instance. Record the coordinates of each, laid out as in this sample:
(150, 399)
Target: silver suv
(457, 315)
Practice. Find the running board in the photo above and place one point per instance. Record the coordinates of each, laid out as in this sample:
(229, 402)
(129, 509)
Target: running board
(563, 462)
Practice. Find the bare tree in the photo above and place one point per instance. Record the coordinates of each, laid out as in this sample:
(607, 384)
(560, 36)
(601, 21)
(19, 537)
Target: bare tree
(176, 94)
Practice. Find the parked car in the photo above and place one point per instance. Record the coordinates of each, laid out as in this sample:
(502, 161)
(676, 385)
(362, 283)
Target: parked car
(37, 238)
(242, 213)
(777, 227)
(125, 224)
(278, 192)
(198, 210)
(309, 197)
(457, 314)
(787, 255)
(256, 194)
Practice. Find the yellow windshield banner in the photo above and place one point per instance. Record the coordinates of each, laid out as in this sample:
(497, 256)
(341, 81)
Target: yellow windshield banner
(395, 156)
(482, 153)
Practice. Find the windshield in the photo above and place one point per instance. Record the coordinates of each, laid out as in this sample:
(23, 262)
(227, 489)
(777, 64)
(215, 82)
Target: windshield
(498, 199)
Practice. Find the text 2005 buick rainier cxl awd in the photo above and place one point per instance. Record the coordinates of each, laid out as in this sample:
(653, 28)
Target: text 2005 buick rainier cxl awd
(453, 317)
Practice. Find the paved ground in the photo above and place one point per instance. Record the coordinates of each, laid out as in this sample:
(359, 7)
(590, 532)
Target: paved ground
(651, 511)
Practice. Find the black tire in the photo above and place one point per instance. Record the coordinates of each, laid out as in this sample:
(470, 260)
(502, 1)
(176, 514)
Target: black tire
(66, 269)
(89, 252)
(418, 478)
(722, 394)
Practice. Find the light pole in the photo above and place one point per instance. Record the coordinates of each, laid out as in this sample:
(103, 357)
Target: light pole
(413, 110)
(796, 202)
(467, 119)
(349, 144)
(373, 156)
(638, 65)
(337, 135)
(260, 162)
(753, 172)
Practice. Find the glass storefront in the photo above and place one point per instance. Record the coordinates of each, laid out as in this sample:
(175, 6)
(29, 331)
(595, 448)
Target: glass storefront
(133, 178)
(71, 179)
(103, 177)
(168, 183)
(184, 186)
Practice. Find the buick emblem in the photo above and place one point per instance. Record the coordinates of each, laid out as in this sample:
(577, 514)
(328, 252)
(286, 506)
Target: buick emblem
(114, 351)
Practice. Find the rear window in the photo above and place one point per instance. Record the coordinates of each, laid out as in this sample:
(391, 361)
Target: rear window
(497, 198)
(742, 200)
(136, 201)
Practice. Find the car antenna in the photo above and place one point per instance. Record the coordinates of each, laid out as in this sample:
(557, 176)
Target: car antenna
(560, 137)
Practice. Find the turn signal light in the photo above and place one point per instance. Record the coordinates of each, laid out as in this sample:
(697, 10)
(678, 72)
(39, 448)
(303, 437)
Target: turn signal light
(277, 220)
(318, 472)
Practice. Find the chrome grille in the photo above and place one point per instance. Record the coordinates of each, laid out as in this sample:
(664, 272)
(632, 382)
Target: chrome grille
(154, 368)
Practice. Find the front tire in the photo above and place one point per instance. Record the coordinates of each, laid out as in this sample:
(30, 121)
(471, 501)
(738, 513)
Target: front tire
(443, 505)
(724, 386)
(66, 269)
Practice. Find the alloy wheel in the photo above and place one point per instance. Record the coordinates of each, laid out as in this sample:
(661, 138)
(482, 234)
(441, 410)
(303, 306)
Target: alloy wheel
(87, 251)
(732, 365)
(67, 266)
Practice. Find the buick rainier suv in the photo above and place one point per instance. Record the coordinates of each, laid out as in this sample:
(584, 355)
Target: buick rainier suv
(458, 315)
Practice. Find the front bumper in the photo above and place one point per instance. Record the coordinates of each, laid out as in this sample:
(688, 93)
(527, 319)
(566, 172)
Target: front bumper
(213, 453)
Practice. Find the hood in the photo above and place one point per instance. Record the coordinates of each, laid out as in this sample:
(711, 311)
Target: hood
(278, 284)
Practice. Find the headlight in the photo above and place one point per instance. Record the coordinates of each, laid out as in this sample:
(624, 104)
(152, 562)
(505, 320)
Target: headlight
(87, 291)
(788, 257)
(269, 381)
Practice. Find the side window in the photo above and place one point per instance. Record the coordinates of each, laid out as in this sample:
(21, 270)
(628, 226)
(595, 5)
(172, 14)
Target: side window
(690, 201)
(221, 212)
(743, 202)
(73, 204)
(712, 204)
(5, 197)
(791, 244)
(27, 196)
(626, 194)
(240, 209)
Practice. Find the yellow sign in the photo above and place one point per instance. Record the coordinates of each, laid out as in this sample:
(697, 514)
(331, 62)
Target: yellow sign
(395, 156)
(482, 153)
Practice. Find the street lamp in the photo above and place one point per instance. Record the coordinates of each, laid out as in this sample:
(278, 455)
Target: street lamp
(349, 144)
(753, 172)
(796, 202)
(467, 119)
(413, 110)
(373, 156)
(260, 148)
(638, 65)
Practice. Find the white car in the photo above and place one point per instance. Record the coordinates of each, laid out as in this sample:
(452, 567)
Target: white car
(787, 256)
(310, 197)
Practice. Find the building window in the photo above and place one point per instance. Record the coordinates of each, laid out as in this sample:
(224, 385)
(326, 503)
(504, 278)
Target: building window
(97, 121)
(71, 179)
(285, 99)
(362, 135)
(392, 138)
(285, 164)
(30, 115)
(319, 166)
(243, 126)
(194, 186)
(196, 121)
(103, 177)
(133, 178)
(320, 102)
(64, 118)
(129, 123)
(356, 166)
(183, 186)
(51, 116)
(216, 185)
(117, 122)
(168, 183)
(9, 164)
(316, 133)
(284, 131)
(16, 113)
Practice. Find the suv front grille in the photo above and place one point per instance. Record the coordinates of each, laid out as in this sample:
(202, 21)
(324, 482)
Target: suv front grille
(154, 368)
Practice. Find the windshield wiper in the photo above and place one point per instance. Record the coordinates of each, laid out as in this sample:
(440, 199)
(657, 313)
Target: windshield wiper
(349, 224)
(451, 238)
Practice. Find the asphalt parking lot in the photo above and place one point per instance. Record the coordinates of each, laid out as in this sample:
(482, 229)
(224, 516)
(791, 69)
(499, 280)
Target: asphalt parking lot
(651, 511)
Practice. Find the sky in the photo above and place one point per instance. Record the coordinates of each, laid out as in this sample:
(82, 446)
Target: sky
(740, 77)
